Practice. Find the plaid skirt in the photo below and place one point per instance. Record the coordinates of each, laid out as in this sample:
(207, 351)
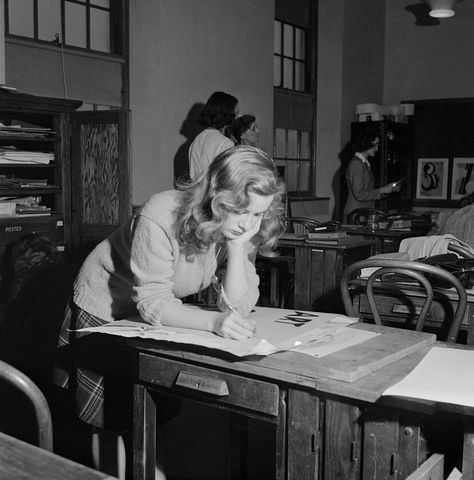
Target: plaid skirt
(100, 374)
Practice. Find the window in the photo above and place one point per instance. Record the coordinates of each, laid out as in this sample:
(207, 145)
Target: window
(294, 93)
(85, 24)
(289, 60)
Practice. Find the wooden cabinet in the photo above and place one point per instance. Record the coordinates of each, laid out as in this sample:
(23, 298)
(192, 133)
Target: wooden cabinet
(31, 126)
(83, 186)
(318, 269)
(393, 160)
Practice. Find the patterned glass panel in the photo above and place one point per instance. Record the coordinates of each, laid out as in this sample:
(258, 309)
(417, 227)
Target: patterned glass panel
(100, 187)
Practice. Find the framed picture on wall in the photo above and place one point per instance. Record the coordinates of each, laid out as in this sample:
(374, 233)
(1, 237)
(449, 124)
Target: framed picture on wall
(432, 179)
(462, 182)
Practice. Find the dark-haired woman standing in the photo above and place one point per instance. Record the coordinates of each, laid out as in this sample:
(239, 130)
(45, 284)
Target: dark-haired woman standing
(217, 116)
(360, 179)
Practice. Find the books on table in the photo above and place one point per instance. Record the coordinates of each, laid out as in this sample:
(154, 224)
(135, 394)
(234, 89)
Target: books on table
(328, 238)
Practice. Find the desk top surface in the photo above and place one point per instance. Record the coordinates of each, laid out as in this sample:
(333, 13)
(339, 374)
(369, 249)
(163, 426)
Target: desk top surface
(20, 460)
(306, 371)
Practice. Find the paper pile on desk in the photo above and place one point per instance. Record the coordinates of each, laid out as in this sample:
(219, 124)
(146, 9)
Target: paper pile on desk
(444, 375)
(272, 337)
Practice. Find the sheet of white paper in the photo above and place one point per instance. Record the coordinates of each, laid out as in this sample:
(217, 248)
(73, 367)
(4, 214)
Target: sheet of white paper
(342, 338)
(274, 332)
(444, 375)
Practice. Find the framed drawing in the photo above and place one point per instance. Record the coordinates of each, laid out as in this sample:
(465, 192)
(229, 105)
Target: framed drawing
(462, 182)
(432, 179)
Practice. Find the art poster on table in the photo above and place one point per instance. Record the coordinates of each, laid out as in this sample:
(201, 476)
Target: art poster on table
(462, 182)
(432, 179)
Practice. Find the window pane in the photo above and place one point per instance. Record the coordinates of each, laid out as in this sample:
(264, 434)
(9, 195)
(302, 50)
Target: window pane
(101, 3)
(75, 25)
(20, 18)
(49, 19)
(291, 176)
(277, 38)
(287, 73)
(276, 71)
(292, 144)
(299, 76)
(100, 30)
(303, 176)
(300, 43)
(304, 145)
(288, 40)
(279, 143)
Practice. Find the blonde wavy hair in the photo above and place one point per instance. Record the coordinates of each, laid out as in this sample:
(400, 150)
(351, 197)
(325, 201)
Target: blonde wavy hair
(224, 188)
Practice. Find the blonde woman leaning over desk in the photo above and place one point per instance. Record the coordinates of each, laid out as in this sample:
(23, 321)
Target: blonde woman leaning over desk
(168, 251)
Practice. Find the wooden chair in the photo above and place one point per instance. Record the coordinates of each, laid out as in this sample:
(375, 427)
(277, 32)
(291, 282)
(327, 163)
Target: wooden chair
(460, 250)
(301, 224)
(26, 386)
(420, 272)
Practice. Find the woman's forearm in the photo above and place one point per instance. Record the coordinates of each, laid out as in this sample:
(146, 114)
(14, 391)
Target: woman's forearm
(235, 279)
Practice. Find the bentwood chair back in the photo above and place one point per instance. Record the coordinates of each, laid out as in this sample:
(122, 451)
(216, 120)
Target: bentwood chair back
(42, 413)
(399, 270)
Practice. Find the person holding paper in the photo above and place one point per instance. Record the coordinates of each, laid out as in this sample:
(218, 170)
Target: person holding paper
(360, 179)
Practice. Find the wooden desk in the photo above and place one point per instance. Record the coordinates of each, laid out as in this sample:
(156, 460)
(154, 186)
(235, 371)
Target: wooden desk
(318, 269)
(399, 304)
(20, 460)
(387, 241)
(323, 428)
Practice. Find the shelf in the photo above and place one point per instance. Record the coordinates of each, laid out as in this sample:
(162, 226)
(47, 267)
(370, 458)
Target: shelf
(29, 165)
(29, 191)
(19, 138)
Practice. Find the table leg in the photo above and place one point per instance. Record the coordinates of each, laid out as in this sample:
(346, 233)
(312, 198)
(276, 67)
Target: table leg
(468, 450)
(144, 434)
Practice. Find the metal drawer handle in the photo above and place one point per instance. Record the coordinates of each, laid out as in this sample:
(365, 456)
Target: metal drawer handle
(213, 386)
(404, 309)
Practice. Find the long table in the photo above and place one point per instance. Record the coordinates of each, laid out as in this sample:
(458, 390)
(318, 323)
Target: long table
(20, 460)
(324, 427)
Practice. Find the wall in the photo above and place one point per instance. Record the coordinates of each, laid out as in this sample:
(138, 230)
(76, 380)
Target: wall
(181, 51)
(350, 71)
(424, 62)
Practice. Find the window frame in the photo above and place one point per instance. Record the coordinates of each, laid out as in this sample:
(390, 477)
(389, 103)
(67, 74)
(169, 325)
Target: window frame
(308, 95)
(118, 30)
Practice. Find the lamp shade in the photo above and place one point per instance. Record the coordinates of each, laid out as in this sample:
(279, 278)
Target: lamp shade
(441, 8)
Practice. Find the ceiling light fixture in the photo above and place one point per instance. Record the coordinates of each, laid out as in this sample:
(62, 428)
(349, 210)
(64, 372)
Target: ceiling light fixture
(441, 8)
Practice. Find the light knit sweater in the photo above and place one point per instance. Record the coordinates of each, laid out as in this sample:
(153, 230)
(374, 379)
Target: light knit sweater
(141, 267)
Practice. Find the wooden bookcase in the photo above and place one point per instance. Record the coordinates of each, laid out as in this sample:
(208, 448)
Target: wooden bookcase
(30, 114)
(87, 182)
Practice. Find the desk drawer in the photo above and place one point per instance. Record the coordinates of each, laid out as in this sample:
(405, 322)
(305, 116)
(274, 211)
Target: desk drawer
(223, 388)
(408, 308)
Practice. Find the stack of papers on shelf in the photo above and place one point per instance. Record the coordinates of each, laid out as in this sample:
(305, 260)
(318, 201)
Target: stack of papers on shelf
(27, 130)
(24, 156)
(33, 210)
(7, 182)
